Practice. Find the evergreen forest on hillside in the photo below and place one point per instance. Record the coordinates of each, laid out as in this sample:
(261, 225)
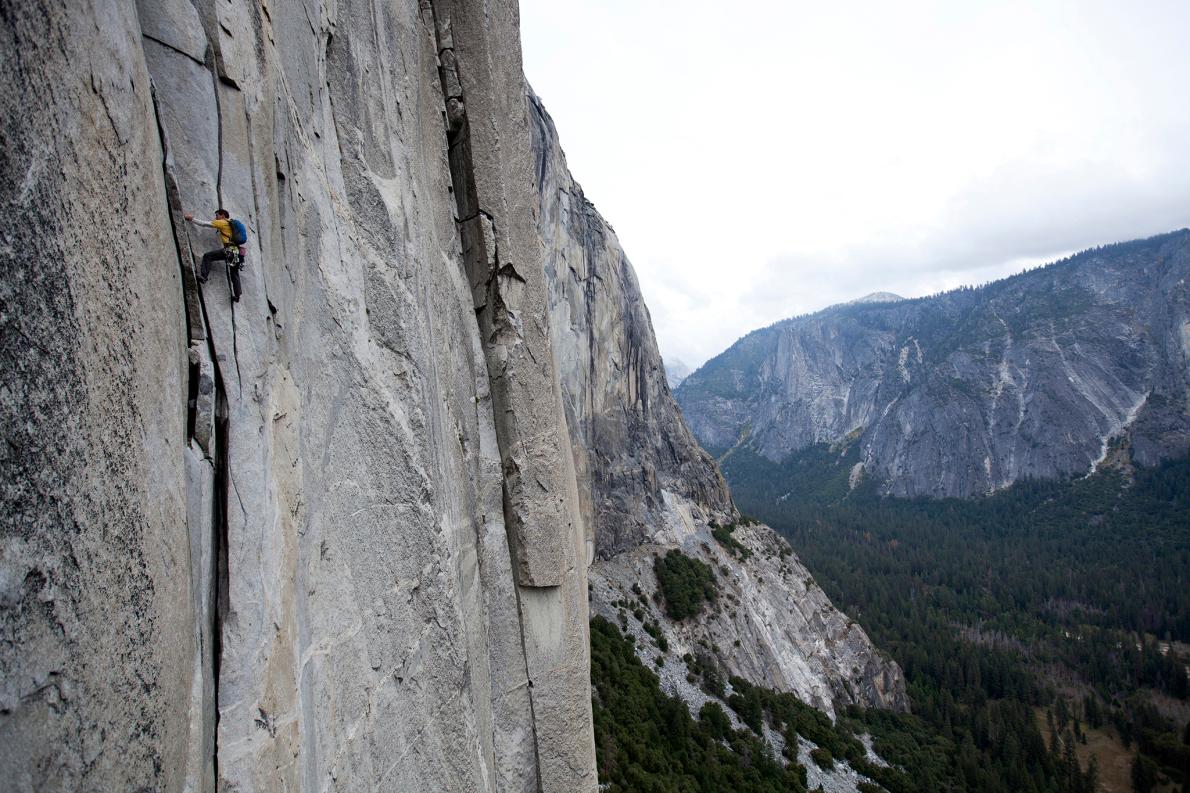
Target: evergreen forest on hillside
(1024, 621)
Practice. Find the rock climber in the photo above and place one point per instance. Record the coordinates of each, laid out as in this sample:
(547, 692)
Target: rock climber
(233, 235)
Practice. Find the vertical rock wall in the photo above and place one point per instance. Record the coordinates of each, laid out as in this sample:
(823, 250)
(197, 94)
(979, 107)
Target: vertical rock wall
(262, 545)
(95, 631)
(491, 165)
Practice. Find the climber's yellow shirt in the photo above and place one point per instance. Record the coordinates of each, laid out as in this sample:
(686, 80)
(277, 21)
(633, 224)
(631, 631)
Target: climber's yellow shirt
(224, 229)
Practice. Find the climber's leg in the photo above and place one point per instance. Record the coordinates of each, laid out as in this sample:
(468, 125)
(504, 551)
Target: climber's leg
(234, 272)
(207, 258)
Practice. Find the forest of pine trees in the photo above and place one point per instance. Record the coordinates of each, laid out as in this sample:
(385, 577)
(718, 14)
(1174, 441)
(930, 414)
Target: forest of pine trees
(983, 602)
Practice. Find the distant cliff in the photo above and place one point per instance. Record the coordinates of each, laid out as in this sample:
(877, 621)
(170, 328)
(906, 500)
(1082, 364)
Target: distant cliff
(675, 372)
(618, 402)
(1045, 374)
(648, 487)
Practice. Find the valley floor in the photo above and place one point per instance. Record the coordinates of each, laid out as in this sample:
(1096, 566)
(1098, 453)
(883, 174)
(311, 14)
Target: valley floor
(1064, 596)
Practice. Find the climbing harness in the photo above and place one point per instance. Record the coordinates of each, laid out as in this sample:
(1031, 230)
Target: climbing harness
(235, 259)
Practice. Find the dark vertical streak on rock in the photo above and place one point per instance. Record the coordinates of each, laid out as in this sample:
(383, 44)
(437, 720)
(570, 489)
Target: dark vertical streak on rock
(219, 596)
(469, 220)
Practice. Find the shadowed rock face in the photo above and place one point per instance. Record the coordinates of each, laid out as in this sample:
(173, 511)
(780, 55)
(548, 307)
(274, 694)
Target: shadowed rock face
(1035, 376)
(648, 487)
(328, 537)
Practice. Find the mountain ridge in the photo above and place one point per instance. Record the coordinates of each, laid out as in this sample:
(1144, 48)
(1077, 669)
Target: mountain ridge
(905, 375)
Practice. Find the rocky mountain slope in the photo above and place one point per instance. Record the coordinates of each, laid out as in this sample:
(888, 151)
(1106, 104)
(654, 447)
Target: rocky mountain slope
(336, 535)
(651, 488)
(1046, 374)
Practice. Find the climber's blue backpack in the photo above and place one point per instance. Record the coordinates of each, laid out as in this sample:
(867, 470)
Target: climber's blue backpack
(239, 233)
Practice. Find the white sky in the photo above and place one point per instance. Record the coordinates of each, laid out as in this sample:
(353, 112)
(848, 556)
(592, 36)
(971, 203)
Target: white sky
(764, 159)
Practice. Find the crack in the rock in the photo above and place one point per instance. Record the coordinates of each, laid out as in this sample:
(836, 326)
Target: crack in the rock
(457, 132)
(216, 75)
(169, 46)
(235, 345)
(217, 596)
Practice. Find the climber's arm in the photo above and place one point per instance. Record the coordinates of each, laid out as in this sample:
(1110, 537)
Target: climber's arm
(189, 216)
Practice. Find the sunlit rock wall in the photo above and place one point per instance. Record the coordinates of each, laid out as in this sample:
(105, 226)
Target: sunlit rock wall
(327, 537)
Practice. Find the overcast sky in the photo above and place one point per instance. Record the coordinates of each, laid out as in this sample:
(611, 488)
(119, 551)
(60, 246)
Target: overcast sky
(760, 160)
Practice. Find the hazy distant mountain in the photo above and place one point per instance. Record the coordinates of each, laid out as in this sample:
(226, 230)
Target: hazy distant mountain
(877, 297)
(675, 372)
(1041, 375)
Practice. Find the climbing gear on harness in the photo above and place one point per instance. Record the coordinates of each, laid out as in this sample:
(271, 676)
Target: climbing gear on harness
(234, 258)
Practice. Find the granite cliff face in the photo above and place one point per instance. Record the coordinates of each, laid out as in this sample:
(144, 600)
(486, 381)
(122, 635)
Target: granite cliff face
(1046, 374)
(335, 536)
(325, 538)
(648, 486)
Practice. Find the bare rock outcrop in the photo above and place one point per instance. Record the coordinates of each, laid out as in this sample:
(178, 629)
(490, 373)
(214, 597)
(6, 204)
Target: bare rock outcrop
(770, 624)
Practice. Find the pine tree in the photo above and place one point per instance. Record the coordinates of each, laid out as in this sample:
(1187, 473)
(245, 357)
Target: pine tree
(1070, 770)
(1091, 780)
(1144, 774)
